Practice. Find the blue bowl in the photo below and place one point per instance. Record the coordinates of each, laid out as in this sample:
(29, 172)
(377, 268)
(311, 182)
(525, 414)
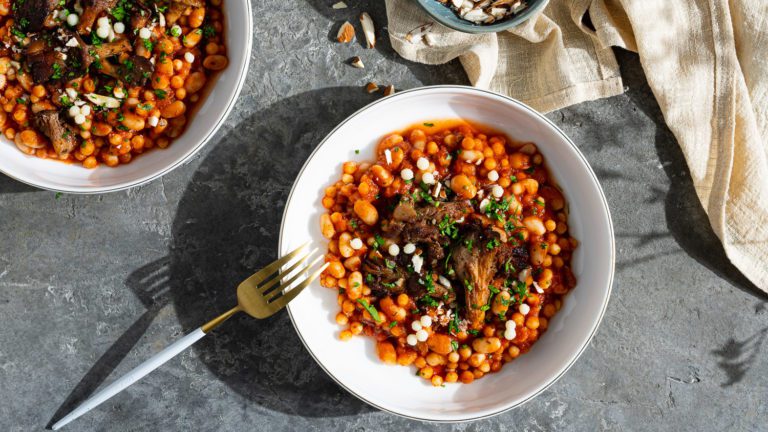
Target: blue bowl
(447, 17)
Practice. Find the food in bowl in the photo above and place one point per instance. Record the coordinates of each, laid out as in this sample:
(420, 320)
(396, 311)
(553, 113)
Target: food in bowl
(485, 11)
(103, 81)
(451, 249)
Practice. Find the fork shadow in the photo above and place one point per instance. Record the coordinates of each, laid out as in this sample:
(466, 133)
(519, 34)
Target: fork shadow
(150, 284)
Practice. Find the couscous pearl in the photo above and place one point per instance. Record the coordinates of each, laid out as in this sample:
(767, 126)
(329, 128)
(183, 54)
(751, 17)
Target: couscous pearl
(422, 163)
(356, 243)
(493, 175)
(102, 22)
(119, 27)
(406, 174)
(412, 340)
(524, 309)
(509, 334)
(153, 121)
(190, 58)
(145, 33)
(102, 32)
(118, 92)
(422, 335)
(483, 204)
(409, 248)
(426, 321)
(416, 325)
(79, 119)
(393, 249)
(428, 178)
(497, 191)
(510, 324)
(73, 19)
(74, 110)
(85, 110)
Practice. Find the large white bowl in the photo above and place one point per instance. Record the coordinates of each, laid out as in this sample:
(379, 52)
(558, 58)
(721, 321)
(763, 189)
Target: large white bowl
(354, 364)
(205, 121)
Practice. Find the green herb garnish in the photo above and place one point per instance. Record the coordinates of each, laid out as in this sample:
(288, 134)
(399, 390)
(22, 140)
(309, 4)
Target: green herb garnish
(371, 310)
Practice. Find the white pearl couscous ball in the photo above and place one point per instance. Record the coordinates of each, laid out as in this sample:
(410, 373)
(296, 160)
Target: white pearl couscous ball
(416, 325)
(426, 321)
(406, 174)
(428, 178)
(422, 335)
(409, 248)
(356, 243)
(524, 309)
(493, 175)
(393, 249)
(411, 340)
(422, 163)
(497, 191)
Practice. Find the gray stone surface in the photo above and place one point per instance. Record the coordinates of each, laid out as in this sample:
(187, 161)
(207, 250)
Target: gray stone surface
(92, 285)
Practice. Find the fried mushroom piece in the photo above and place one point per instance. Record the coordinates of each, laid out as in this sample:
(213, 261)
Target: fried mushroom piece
(476, 266)
(61, 134)
(32, 14)
(91, 10)
(43, 62)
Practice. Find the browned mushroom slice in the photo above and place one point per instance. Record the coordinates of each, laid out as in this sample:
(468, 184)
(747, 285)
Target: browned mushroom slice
(44, 62)
(91, 10)
(31, 14)
(193, 3)
(174, 12)
(62, 135)
(135, 70)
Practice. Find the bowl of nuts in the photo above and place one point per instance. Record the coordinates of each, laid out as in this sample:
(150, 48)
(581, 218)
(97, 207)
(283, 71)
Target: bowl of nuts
(481, 16)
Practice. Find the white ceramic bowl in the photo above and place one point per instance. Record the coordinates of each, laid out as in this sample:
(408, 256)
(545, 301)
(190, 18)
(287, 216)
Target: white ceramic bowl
(354, 364)
(204, 123)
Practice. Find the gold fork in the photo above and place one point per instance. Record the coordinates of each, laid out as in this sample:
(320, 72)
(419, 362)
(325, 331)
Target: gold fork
(256, 296)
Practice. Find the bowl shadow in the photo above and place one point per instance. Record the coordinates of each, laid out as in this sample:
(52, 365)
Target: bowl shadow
(227, 227)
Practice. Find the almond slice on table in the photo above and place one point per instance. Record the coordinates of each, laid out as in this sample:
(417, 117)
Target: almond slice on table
(368, 29)
(371, 87)
(357, 62)
(417, 34)
(339, 5)
(346, 33)
(390, 89)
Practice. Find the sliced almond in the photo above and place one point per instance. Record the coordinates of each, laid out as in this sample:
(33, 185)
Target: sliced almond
(346, 33)
(339, 5)
(357, 62)
(415, 35)
(390, 89)
(368, 29)
(103, 101)
(371, 87)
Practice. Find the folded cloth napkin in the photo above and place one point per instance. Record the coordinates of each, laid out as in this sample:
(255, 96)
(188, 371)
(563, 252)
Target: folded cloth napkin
(706, 62)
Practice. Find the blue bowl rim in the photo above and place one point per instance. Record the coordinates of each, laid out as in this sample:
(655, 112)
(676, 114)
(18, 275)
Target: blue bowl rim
(470, 28)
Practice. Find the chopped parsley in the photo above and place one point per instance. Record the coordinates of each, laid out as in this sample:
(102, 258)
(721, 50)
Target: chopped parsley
(392, 324)
(513, 178)
(453, 324)
(429, 124)
(468, 244)
(448, 227)
(65, 102)
(454, 345)
(58, 195)
(493, 289)
(390, 264)
(175, 31)
(520, 290)
(369, 278)
(484, 308)
(18, 33)
(378, 241)
(21, 101)
(429, 301)
(371, 310)
(148, 44)
(473, 332)
(530, 170)
(118, 12)
(209, 31)
(357, 151)
(508, 266)
(468, 285)
(352, 222)
(491, 245)
(160, 94)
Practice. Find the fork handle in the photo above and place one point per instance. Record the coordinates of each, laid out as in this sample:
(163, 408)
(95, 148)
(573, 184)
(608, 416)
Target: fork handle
(131, 377)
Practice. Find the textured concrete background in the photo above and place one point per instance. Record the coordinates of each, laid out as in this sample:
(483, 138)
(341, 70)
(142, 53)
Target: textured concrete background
(92, 285)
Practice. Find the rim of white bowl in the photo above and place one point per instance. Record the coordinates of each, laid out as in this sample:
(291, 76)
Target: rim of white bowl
(592, 174)
(91, 190)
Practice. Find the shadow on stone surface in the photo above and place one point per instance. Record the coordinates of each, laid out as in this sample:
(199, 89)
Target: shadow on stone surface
(227, 227)
(9, 185)
(686, 219)
(737, 357)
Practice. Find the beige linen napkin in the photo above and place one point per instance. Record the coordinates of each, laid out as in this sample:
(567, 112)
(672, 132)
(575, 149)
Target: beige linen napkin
(706, 62)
